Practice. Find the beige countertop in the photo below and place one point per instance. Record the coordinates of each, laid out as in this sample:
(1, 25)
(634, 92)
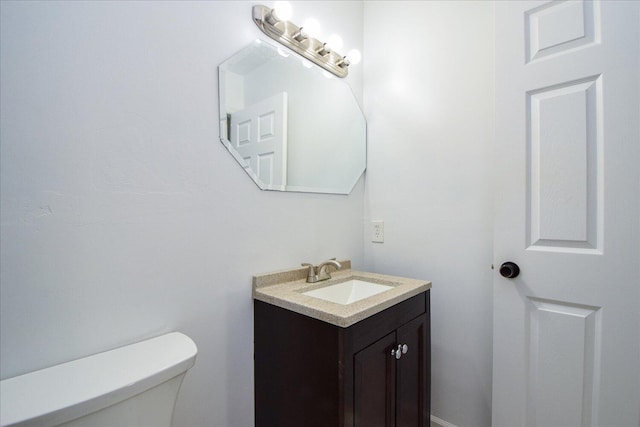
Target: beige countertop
(285, 289)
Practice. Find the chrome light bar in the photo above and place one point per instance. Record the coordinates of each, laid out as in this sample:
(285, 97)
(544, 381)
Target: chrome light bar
(293, 37)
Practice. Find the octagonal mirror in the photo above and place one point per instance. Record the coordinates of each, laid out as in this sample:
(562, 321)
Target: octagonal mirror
(289, 124)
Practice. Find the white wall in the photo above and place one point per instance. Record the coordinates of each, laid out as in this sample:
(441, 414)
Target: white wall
(123, 216)
(429, 105)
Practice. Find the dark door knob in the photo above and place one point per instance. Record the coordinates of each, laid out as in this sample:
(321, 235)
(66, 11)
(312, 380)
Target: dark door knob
(509, 270)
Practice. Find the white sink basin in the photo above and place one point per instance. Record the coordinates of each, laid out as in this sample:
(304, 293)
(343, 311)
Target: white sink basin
(348, 292)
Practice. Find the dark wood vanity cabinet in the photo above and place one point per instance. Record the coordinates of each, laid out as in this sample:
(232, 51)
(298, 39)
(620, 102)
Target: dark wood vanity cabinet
(312, 373)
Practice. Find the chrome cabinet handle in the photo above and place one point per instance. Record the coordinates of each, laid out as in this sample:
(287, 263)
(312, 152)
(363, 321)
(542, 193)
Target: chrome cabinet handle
(398, 352)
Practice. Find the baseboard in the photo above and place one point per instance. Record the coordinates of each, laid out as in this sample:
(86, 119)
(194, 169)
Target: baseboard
(437, 422)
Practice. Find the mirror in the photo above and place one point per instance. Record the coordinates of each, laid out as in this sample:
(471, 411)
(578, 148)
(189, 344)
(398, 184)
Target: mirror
(291, 125)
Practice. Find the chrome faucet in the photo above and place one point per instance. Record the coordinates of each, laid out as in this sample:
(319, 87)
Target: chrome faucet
(316, 274)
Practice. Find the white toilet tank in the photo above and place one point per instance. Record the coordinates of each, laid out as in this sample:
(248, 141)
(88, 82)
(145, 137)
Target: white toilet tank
(135, 385)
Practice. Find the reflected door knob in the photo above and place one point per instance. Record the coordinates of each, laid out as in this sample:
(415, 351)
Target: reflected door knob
(509, 270)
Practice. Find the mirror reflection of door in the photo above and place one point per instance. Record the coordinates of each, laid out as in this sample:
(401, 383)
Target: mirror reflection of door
(325, 148)
(259, 135)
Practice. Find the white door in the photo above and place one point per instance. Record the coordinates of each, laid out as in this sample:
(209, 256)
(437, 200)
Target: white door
(258, 134)
(567, 329)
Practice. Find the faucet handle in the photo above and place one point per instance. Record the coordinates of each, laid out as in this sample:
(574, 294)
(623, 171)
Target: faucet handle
(312, 271)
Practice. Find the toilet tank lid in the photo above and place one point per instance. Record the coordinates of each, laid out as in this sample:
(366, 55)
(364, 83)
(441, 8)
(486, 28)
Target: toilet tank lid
(64, 392)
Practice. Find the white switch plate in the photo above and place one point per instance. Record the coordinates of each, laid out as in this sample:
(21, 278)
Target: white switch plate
(377, 231)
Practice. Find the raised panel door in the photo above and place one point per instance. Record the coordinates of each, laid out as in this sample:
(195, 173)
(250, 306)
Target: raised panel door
(566, 346)
(375, 384)
(412, 375)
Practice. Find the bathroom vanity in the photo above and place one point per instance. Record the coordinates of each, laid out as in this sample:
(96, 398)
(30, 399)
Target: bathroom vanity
(320, 363)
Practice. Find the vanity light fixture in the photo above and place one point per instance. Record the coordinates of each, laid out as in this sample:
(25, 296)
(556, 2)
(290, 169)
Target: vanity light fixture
(293, 37)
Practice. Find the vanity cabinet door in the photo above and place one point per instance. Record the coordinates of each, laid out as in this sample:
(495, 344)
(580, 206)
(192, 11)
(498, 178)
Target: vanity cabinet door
(390, 391)
(375, 384)
(413, 373)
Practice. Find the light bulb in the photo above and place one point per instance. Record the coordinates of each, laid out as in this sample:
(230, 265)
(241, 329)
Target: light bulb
(354, 56)
(283, 10)
(335, 41)
(312, 27)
